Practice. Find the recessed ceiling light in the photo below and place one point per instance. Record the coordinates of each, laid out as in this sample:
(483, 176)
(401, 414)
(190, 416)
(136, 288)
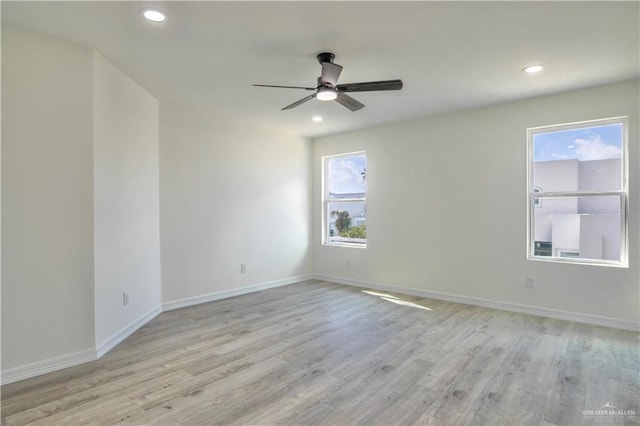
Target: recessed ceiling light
(317, 118)
(154, 15)
(532, 69)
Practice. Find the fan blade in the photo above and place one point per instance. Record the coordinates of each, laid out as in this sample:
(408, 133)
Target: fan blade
(371, 86)
(285, 87)
(349, 102)
(300, 102)
(330, 73)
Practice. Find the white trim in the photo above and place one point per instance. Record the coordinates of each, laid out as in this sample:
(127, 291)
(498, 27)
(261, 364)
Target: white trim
(211, 297)
(46, 366)
(493, 304)
(68, 360)
(115, 339)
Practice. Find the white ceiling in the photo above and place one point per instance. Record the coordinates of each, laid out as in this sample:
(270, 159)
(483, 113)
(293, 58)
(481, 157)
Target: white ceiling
(450, 55)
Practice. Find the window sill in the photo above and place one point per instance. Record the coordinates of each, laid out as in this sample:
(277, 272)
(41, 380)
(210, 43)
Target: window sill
(574, 261)
(350, 245)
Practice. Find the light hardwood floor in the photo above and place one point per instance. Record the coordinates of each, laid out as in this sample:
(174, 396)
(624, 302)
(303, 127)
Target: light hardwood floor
(319, 353)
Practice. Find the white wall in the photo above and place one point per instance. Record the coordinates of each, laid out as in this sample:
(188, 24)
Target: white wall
(566, 234)
(556, 176)
(81, 186)
(230, 192)
(598, 175)
(552, 176)
(600, 236)
(126, 196)
(80, 194)
(464, 176)
(47, 201)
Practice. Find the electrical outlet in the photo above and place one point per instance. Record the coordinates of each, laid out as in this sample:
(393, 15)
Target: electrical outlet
(125, 298)
(243, 268)
(531, 282)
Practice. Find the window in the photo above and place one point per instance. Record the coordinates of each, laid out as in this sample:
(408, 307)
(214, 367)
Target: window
(345, 199)
(577, 192)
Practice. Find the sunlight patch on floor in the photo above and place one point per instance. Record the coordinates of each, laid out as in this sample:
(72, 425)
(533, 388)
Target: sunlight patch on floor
(375, 293)
(396, 300)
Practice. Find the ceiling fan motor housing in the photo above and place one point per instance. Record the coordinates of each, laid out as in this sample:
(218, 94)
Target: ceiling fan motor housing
(326, 57)
(322, 83)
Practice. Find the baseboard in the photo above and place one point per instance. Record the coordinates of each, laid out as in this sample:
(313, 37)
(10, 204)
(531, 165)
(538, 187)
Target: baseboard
(68, 360)
(118, 337)
(46, 366)
(487, 303)
(219, 295)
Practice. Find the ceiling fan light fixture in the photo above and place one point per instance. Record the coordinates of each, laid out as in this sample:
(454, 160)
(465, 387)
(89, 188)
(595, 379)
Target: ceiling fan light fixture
(327, 94)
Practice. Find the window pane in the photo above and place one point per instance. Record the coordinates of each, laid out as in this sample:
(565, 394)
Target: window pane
(347, 222)
(580, 227)
(347, 177)
(581, 159)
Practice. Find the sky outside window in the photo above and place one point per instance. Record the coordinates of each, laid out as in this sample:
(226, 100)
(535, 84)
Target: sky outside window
(585, 144)
(345, 175)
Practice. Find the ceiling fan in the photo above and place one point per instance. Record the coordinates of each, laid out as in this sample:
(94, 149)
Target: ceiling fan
(328, 88)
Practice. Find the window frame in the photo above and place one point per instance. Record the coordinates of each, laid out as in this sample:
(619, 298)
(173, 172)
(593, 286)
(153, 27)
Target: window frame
(622, 193)
(326, 201)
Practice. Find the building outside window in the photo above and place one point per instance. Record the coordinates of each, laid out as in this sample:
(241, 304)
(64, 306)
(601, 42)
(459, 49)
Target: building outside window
(577, 192)
(345, 199)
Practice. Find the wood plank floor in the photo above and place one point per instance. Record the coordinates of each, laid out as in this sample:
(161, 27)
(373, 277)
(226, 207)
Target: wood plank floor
(320, 353)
